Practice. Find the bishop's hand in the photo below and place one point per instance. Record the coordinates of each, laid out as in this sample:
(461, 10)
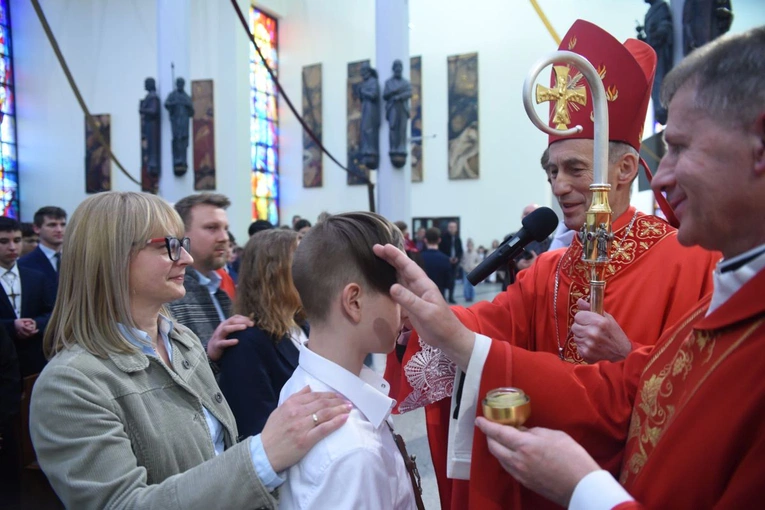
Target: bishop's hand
(426, 308)
(598, 337)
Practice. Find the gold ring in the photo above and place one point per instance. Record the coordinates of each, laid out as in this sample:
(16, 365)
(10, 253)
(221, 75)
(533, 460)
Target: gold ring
(315, 419)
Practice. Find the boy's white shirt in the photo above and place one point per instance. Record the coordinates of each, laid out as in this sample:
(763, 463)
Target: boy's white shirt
(357, 466)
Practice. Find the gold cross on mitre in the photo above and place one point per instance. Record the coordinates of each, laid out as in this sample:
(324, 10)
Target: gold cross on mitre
(563, 93)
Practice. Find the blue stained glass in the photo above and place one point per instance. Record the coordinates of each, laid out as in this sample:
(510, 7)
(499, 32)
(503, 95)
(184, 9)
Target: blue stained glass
(263, 128)
(7, 104)
(5, 70)
(8, 129)
(3, 12)
(8, 157)
(4, 41)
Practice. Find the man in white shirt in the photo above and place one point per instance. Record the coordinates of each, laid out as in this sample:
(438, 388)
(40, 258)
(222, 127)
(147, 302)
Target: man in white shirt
(658, 405)
(346, 301)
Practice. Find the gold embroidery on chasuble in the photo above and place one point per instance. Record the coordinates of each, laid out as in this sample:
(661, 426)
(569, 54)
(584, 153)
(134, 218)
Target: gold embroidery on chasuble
(646, 231)
(658, 403)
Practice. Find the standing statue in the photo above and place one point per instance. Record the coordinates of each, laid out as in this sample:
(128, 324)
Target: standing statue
(150, 109)
(368, 91)
(178, 103)
(658, 33)
(397, 93)
(704, 21)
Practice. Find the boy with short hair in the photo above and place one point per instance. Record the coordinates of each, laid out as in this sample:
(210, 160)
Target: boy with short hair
(345, 292)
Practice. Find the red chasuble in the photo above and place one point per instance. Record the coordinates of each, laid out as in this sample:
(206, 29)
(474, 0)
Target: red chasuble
(691, 410)
(652, 282)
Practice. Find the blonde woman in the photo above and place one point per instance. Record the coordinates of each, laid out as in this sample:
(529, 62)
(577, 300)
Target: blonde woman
(254, 371)
(127, 413)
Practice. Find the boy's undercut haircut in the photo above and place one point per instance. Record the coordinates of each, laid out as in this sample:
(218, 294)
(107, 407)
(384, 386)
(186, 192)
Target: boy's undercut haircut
(337, 252)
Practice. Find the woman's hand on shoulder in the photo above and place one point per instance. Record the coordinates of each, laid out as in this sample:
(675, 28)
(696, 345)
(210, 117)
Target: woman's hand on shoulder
(299, 423)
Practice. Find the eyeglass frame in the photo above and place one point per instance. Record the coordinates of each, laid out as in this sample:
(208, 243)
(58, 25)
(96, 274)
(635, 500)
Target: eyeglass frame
(184, 243)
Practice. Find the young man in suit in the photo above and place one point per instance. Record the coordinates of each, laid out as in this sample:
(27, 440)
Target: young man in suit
(26, 300)
(49, 224)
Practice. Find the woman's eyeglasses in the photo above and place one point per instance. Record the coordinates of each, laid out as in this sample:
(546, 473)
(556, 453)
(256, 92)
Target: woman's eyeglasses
(173, 245)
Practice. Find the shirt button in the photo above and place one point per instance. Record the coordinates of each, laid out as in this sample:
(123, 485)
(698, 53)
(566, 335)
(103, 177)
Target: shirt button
(186, 364)
(218, 397)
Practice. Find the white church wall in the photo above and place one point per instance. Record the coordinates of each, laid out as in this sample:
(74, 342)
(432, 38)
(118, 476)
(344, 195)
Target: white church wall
(110, 48)
(508, 37)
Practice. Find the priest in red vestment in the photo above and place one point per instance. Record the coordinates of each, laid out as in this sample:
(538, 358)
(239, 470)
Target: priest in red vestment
(652, 280)
(686, 418)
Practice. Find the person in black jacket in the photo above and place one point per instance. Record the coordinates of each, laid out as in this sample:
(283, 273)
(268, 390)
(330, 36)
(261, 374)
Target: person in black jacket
(254, 370)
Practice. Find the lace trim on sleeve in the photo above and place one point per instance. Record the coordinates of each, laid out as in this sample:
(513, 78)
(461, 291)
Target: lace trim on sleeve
(431, 375)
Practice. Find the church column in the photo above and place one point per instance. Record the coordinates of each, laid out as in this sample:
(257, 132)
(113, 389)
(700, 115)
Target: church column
(392, 42)
(173, 37)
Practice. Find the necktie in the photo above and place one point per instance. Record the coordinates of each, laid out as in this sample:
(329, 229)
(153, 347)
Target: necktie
(10, 279)
(58, 261)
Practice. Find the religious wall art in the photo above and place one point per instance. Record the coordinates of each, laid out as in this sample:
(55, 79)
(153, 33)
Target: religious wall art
(204, 134)
(98, 164)
(396, 94)
(356, 163)
(179, 104)
(312, 157)
(415, 77)
(463, 116)
(150, 109)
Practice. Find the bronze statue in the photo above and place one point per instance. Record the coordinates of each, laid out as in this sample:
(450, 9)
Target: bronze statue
(150, 109)
(178, 103)
(397, 93)
(704, 21)
(657, 31)
(368, 91)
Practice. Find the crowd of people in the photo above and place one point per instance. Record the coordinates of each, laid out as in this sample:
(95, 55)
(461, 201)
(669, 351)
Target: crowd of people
(174, 369)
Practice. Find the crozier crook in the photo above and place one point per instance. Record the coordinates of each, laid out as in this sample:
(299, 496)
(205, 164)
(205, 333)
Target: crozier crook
(596, 234)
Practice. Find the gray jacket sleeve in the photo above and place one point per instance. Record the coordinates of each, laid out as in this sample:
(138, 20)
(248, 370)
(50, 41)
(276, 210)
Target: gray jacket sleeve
(84, 450)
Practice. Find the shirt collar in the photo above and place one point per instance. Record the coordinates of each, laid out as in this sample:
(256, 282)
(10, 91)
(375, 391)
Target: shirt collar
(731, 274)
(14, 270)
(368, 392)
(212, 282)
(141, 338)
(47, 251)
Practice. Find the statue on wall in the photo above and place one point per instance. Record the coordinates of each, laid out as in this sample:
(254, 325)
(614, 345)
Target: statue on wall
(657, 31)
(178, 103)
(704, 21)
(397, 93)
(150, 109)
(368, 91)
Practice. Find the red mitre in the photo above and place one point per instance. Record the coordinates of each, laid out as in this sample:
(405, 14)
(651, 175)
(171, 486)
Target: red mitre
(627, 73)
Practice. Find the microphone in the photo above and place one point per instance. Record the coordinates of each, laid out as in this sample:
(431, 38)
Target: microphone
(537, 226)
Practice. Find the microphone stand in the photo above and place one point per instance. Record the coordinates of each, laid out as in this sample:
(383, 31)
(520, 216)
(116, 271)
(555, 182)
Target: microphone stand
(596, 233)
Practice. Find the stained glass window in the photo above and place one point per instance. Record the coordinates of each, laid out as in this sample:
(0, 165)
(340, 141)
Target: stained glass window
(9, 173)
(264, 120)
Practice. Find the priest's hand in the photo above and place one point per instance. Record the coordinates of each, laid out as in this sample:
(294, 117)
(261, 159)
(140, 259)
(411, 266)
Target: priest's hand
(598, 337)
(546, 461)
(426, 308)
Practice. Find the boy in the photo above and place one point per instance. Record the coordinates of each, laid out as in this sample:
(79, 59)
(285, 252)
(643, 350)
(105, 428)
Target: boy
(344, 288)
